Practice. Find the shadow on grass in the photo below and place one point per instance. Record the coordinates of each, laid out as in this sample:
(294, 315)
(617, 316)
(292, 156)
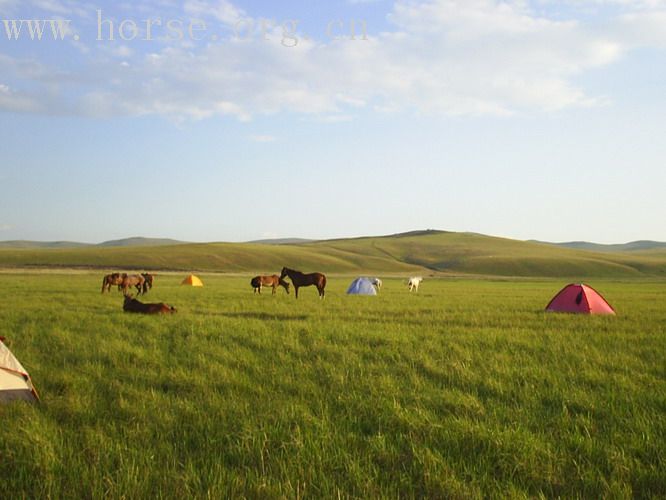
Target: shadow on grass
(264, 316)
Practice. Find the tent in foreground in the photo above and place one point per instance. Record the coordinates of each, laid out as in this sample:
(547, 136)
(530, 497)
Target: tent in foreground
(581, 299)
(192, 280)
(15, 383)
(361, 286)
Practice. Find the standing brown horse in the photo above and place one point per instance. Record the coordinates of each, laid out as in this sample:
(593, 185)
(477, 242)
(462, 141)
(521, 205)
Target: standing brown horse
(135, 280)
(110, 280)
(298, 279)
(272, 281)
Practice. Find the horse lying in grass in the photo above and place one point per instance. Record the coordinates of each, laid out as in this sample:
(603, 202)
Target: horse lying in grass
(134, 306)
(298, 279)
(273, 281)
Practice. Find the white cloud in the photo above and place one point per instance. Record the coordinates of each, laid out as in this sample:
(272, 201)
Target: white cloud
(11, 100)
(6, 227)
(455, 57)
(263, 138)
(222, 10)
(64, 8)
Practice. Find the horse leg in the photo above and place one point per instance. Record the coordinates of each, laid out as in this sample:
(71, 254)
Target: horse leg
(274, 287)
(296, 290)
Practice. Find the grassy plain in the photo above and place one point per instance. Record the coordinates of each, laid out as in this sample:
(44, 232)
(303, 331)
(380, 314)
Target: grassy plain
(466, 390)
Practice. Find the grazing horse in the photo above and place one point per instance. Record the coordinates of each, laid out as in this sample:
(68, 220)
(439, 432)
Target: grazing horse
(135, 280)
(298, 279)
(377, 283)
(134, 306)
(148, 283)
(414, 283)
(273, 281)
(110, 280)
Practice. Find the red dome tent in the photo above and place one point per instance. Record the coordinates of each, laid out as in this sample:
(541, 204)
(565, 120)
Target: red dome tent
(579, 299)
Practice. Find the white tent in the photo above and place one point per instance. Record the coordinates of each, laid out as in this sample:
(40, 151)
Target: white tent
(15, 382)
(361, 286)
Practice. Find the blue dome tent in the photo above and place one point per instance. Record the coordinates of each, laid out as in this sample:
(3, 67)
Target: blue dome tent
(361, 286)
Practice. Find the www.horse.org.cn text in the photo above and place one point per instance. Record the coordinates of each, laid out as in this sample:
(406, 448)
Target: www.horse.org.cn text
(288, 33)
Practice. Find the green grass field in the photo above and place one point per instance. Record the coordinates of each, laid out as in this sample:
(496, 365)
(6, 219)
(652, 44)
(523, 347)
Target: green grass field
(466, 390)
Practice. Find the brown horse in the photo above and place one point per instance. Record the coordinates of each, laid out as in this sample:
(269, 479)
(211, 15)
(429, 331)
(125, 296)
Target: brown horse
(148, 283)
(110, 280)
(134, 306)
(132, 280)
(273, 281)
(298, 279)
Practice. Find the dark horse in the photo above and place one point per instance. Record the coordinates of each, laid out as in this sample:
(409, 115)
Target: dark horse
(134, 306)
(110, 280)
(273, 281)
(298, 279)
(148, 283)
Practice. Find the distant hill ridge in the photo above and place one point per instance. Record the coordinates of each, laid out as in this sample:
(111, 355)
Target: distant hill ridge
(632, 246)
(420, 252)
(282, 241)
(134, 241)
(138, 241)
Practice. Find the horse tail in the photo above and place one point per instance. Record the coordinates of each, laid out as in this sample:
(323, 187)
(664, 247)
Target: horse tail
(104, 284)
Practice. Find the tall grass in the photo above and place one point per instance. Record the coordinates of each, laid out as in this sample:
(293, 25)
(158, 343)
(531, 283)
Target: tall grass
(464, 390)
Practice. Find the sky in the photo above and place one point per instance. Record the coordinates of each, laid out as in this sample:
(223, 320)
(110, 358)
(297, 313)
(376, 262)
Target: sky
(230, 120)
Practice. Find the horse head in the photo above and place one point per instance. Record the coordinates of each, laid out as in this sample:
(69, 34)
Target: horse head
(285, 284)
(284, 272)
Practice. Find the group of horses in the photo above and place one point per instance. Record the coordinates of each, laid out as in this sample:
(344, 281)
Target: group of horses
(297, 278)
(142, 282)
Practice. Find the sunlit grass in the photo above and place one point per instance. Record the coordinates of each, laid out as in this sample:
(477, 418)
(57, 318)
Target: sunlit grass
(465, 390)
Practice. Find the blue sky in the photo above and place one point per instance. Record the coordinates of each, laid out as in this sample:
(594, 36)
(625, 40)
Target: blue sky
(539, 119)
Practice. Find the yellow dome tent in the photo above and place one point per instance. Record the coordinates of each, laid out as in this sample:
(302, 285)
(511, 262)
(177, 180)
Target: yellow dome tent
(192, 280)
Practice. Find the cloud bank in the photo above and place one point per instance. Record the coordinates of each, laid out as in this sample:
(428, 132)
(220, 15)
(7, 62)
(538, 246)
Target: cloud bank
(445, 57)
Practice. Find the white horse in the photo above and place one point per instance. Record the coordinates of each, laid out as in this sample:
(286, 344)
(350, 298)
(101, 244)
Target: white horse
(414, 283)
(377, 283)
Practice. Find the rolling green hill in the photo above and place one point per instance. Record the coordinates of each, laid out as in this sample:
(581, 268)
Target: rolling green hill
(423, 252)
